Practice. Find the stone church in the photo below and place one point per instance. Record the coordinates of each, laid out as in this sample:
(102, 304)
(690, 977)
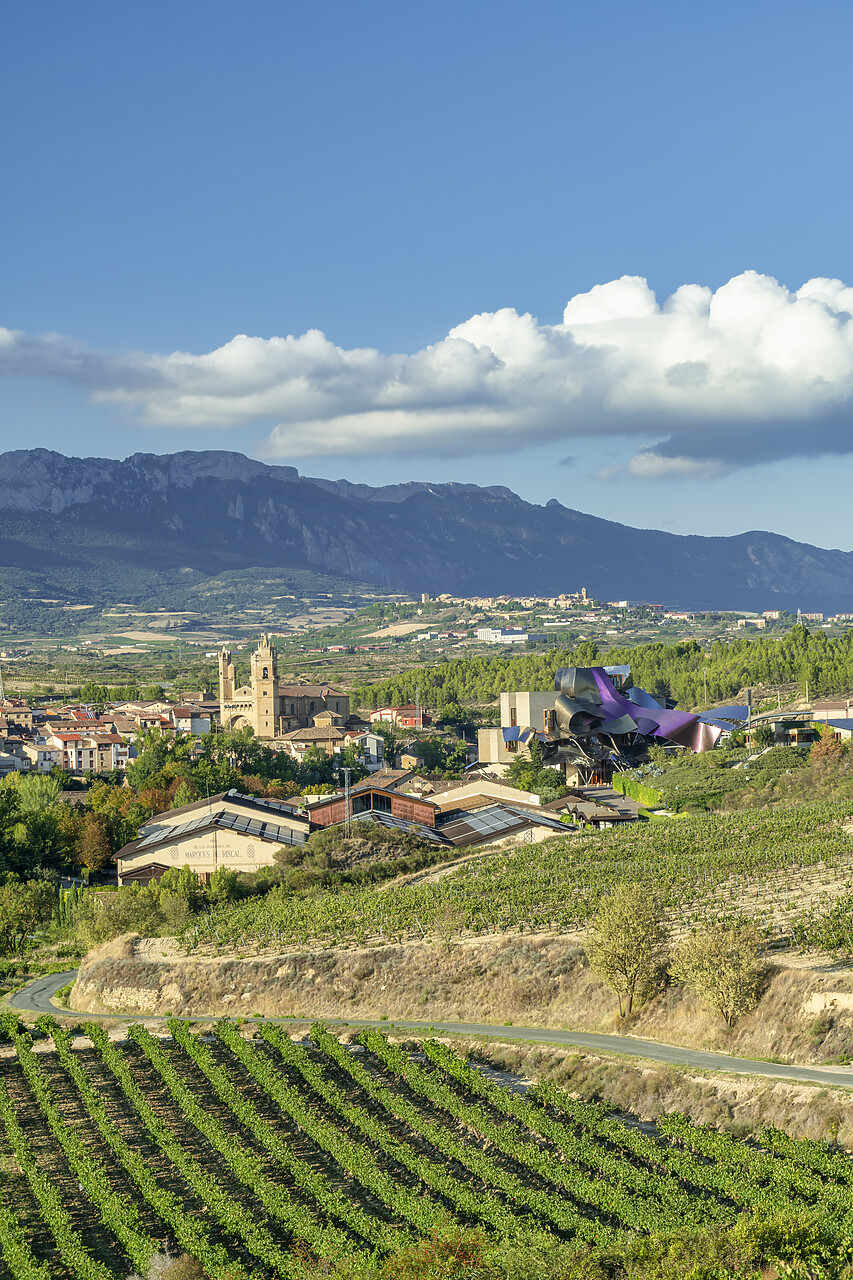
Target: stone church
(270, 709)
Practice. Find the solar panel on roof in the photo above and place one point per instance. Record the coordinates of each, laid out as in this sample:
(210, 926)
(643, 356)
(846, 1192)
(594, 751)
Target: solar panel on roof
(491, 820)
(545, 818)
(227, 821)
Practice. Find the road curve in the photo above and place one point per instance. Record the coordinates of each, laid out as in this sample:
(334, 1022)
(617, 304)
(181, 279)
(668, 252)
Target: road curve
(37, 998)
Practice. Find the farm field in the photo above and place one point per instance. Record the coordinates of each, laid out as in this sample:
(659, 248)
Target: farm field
(248, 1154)
(774, 864)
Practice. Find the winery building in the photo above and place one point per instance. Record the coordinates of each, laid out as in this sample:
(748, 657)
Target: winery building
(230, 830)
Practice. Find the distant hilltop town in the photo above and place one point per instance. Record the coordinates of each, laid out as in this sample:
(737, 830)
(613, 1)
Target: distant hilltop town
(592, 610)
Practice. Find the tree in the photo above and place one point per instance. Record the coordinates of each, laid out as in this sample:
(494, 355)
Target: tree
(36, 791)
(352, 759)
(135, 909)
(212, 778)
(36, 838)
(722, 964)
(237, 747)
(628, 943)
(153, 750)
(95, 848)
(528, 774)
(434, 753)
(25, 906)
(317, 766)
(763, 736)
(392, 741)
(185, 793)
(226, 885)
(827, 747)
(184, 883)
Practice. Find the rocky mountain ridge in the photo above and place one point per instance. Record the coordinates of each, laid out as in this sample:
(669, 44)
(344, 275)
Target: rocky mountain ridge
(93, 524)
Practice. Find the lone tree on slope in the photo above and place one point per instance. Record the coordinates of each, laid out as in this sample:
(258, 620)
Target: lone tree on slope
(628, 943)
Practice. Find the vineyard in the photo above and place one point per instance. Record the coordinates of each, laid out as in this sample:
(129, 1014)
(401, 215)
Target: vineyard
(255, 1155)
(772, 863)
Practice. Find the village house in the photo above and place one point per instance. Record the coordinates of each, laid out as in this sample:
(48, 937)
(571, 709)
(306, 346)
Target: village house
(42, 758)
(826, 711)
(190, 719)
(407, 717)
(369, 746)
(16, 712)
(81, 752)
(326, 738)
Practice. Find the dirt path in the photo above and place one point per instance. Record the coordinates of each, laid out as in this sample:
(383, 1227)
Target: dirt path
(430, 875)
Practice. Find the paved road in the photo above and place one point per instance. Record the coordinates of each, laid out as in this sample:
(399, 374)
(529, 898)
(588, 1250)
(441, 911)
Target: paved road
(36, 998)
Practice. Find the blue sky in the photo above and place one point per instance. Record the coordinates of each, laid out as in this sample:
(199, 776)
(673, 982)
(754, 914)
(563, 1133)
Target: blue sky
(429, 186)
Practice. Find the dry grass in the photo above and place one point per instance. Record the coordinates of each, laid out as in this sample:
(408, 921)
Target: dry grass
(537, 981)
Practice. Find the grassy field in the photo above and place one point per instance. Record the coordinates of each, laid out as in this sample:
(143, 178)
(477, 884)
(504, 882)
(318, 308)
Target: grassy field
(259, 1157)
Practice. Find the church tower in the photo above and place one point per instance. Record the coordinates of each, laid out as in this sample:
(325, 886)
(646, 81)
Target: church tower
(266, 702)
(227, 680)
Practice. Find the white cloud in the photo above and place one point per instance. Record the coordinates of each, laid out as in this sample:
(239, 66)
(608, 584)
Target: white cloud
(707, 380)
(650, 465)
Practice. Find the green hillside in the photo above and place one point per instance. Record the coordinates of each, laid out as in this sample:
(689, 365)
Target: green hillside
(703, 864)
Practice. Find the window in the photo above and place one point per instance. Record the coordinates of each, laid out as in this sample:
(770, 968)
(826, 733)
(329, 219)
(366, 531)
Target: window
(513, 717)
(311, 709)
(266, 674)
(512, 746)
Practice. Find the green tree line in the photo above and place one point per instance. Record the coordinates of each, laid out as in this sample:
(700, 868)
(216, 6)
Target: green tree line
(682, 671)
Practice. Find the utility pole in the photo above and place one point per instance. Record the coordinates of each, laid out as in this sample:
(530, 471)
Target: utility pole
(347, 806)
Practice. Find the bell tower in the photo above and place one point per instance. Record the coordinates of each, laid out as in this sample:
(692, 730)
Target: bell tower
(227, 680)
(266, 702)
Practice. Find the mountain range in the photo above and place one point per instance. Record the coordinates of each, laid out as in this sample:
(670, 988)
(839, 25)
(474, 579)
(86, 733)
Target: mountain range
(155, 529)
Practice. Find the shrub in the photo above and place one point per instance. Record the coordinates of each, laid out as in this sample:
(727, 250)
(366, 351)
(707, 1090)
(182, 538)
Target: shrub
(721, 963)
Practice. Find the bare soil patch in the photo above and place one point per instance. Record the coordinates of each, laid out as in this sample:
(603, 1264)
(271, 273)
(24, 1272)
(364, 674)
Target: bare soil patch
(400, 629)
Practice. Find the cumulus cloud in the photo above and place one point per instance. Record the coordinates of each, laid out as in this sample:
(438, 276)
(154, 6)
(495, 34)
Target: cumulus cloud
(706, 380)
